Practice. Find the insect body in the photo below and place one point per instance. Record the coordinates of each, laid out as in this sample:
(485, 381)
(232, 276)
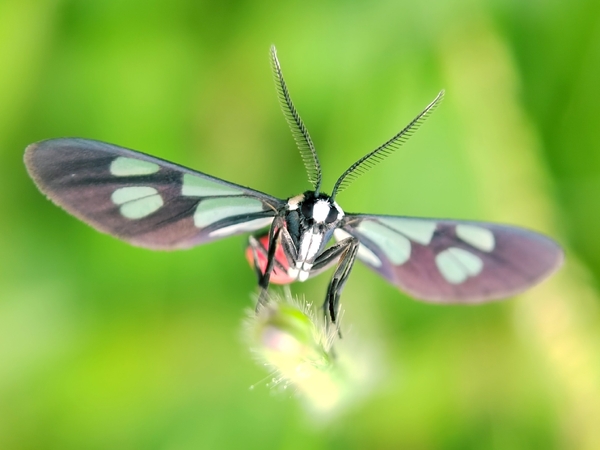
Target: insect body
(257, 253)
(156, 204)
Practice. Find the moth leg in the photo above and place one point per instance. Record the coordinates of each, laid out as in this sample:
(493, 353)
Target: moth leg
(276, 232)
(264, 278)
(256, 247)
(346, 250)
(329, 256)
(289, 248)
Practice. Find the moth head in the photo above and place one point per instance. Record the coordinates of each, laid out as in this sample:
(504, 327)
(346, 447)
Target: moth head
(320, 211)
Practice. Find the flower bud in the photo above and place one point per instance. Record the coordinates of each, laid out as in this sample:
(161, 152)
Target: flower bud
(298, 348)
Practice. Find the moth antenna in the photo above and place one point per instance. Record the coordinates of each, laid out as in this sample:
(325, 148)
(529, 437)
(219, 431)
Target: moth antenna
(299, 131)
(372, 158)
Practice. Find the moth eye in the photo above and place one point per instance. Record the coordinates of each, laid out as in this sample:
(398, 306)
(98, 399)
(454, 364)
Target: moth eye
(332, 216)
(307, 209)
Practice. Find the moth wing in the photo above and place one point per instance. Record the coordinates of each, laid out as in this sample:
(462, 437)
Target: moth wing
(450, 261)
(143, 200)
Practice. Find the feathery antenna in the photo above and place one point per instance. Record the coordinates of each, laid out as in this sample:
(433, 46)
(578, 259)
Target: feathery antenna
(372, 158)
(299, 131)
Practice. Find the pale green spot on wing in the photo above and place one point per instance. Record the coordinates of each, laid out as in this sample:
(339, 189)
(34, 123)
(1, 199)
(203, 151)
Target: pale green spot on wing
(395, 246)
(142, 207)
(456, 265)
(479, 237)
(124, 167)
(130, 193)
(194, 186)
(420, 231)
(214, 209)
(137, 202)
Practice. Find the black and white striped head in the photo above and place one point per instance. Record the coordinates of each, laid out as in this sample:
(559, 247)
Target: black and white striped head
(317, 211)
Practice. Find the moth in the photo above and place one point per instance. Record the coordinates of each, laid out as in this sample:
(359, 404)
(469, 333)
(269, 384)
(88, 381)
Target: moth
(153, 203)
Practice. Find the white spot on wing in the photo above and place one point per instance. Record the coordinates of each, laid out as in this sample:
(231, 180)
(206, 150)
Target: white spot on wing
(250, 225)
(364, 253)
(320, 210)
(395, 246)
(124, 167)
(194, 186)
(137, 201)
(479, 237)
(456, 264)
(420, 231)
(214, 209)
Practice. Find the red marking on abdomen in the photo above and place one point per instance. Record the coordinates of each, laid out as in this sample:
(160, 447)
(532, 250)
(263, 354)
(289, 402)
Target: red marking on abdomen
(277, 275)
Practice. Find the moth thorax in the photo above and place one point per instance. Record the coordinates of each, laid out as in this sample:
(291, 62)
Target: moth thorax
(310, 244)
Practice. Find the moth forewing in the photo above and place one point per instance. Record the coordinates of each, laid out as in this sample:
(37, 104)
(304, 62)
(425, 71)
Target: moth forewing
(141, 199)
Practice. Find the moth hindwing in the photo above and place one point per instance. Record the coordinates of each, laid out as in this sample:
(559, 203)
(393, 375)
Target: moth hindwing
(452, 261)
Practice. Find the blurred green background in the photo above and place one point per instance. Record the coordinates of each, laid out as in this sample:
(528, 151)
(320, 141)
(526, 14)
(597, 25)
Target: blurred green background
(103, 345)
